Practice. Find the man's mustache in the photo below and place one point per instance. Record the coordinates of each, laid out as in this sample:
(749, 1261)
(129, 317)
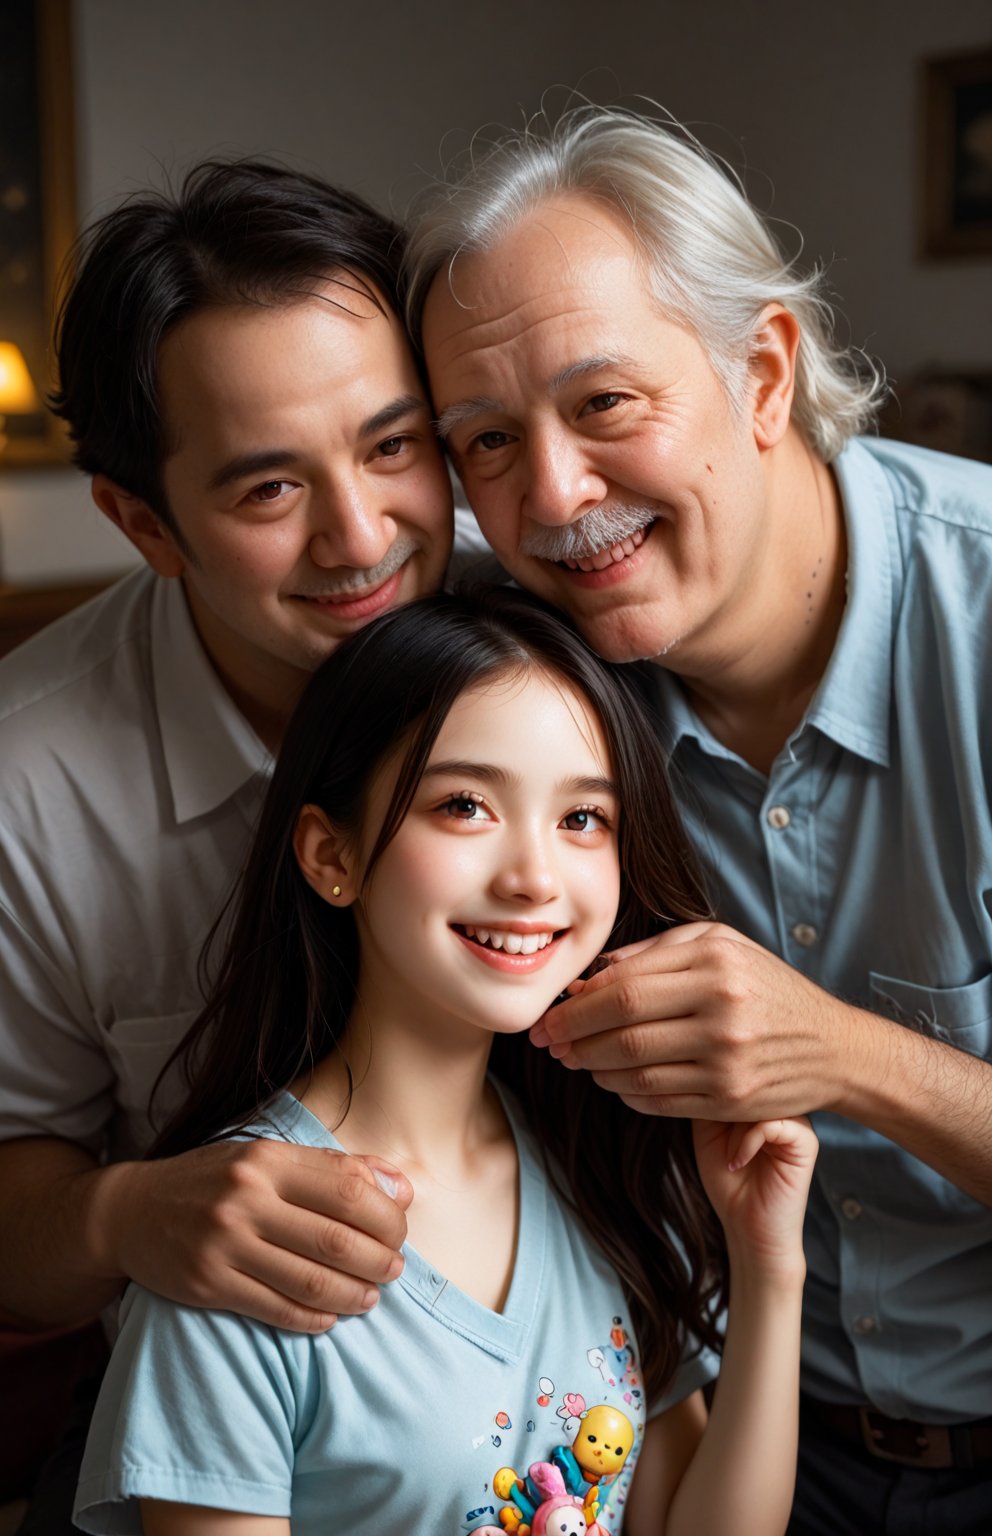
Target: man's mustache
(361, 580)
(601, 528)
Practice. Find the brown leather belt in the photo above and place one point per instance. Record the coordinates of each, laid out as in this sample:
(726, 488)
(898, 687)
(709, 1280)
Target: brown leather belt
(904, 1441)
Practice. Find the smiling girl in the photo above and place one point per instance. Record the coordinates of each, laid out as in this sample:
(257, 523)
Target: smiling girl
(468, 808)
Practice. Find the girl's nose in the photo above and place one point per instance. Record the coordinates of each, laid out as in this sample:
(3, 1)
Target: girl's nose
(528, 874)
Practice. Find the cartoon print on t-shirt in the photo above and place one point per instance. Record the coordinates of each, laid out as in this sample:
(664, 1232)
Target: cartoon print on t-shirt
(579, 1482)
(557, 1512)
(602, 1443)
(573, 1406)
(615, 1362)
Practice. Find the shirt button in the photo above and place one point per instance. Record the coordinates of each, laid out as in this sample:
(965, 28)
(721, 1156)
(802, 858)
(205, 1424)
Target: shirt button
(805, 934)
(778, 817)
(865, 1324)
(851, 1208)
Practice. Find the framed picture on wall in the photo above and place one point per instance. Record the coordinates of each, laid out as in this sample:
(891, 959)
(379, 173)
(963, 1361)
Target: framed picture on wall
(37, 212)
(957, 155)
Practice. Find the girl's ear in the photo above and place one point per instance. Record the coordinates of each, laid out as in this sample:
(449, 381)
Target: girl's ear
(319, 850)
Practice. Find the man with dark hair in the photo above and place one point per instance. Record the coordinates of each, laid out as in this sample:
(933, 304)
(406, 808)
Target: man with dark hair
(656, 430)
(238, 384)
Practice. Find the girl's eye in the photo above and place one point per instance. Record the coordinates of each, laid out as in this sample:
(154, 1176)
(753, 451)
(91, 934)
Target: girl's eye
(585, 819)
(466, 808)
(270, 490)
(391, 447)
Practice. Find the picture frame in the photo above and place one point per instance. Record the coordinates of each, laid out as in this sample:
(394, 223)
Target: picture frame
(37, 205)
(957, 155)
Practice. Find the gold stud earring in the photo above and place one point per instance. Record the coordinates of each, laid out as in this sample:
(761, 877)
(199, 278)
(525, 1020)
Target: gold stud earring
(335, 890)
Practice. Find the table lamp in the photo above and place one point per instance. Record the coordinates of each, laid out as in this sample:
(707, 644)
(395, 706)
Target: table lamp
(18, 396)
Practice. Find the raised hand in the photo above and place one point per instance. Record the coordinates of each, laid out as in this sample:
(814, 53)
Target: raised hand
(757, 1177)
(703, 1023)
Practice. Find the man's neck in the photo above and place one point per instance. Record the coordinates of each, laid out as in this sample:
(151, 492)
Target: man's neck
(264, 689)
(753, 690)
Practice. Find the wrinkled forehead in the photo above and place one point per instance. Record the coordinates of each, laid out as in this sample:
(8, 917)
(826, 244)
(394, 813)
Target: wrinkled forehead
(567, 282)
(573, 241)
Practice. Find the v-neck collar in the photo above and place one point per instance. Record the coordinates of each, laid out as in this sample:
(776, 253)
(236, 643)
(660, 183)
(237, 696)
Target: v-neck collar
(502, 1334)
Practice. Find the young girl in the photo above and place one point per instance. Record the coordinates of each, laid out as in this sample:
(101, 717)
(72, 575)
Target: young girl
(469, 806)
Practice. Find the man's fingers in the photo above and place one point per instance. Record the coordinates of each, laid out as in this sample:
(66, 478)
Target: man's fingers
(676, 1106)
(634, 1049)
(342, 1251)
(308, 1282)
(253, 1298)
(624, 999)
(343, 1189)
(388, 1178)
(676, 1079)
(682, 933)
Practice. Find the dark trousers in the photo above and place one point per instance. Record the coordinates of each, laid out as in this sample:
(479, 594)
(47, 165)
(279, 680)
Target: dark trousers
(843, 1491)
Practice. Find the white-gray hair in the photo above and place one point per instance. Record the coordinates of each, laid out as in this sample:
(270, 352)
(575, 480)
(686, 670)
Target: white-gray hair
(712, 262)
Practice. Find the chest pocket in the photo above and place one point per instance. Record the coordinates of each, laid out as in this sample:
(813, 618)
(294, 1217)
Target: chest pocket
(958, 1015)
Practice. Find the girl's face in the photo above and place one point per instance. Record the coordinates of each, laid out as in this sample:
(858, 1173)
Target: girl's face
(502, 883)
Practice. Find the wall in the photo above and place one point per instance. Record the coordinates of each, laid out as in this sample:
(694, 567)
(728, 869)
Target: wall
(818, 102)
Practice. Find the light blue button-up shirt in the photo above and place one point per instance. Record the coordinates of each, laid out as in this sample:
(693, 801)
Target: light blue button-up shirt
(865, 859)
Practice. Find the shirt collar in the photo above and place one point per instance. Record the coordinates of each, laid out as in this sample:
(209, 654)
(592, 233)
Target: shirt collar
(852, 702)
(210, 750)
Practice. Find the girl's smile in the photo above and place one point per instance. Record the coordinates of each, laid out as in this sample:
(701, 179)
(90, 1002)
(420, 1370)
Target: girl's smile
(509, 849)
(521, 947)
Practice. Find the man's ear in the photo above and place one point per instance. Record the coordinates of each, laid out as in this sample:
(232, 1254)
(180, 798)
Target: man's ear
(772, 371)
(320, 853)
(141, 525)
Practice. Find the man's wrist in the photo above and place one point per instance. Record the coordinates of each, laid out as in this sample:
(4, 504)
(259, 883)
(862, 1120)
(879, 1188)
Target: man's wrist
(861, 1058)
(106, 1196)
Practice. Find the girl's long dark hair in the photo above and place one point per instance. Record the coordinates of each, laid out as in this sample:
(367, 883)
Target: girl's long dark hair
(287, 980)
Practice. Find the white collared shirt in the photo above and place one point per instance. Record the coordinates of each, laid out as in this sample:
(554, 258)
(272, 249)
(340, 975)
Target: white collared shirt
(129, 785)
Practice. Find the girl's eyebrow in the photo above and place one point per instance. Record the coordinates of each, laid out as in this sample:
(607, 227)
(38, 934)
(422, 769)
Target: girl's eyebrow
(490, 774)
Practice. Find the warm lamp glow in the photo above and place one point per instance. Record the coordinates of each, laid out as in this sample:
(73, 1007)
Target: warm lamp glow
(18, 395)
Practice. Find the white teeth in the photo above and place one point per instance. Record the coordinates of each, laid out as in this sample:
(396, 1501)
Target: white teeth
(510, 943)
(601, 558)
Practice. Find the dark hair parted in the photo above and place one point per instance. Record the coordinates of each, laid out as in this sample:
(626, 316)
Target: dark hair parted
(235, 232)
(287, 981)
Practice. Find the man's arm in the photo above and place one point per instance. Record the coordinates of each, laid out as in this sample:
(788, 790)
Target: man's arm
(286, 1234)
(702, 1022)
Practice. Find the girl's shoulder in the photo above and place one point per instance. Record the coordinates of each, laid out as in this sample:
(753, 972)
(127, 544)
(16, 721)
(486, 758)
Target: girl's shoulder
(285, 1118)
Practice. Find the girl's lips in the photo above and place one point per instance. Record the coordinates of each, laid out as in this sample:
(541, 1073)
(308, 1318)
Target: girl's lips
(364, 605)
(515, 965)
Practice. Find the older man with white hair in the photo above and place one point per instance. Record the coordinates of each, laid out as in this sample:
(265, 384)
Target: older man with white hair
(658, 433)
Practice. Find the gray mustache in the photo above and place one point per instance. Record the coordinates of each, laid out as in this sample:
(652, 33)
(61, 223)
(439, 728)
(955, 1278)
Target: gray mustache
(398, 554)
(601, 528)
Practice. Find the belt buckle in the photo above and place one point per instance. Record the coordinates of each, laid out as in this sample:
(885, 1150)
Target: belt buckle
(919, 1445)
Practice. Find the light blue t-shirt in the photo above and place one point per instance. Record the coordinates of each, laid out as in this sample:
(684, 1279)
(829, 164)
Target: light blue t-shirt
(865, 859)
(398, 1421)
